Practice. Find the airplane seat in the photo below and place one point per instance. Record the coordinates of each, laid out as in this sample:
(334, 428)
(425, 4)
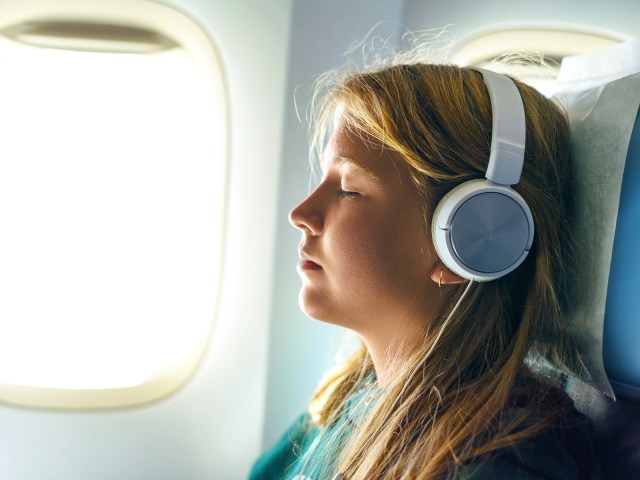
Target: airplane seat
(617, 427)
(601, 93)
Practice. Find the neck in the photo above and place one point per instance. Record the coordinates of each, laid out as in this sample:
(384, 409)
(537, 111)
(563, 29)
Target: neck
(391, 343)
(388, 354)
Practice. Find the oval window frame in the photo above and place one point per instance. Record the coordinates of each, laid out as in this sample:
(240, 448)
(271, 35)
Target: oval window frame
(192, 37)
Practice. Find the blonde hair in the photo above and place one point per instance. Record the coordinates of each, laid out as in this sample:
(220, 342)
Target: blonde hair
(473, 395)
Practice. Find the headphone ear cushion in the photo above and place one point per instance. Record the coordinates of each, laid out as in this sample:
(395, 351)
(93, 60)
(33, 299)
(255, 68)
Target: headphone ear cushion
(482, 230)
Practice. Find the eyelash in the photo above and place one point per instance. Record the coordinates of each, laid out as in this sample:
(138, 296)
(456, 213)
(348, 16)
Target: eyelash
(345, 194)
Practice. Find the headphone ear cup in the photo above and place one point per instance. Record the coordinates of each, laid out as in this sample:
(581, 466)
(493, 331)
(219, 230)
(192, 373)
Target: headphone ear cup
(482, 230)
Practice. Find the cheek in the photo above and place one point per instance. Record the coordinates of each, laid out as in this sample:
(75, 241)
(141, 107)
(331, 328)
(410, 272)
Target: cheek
(358, 247)
(374, 264)
(381, 252)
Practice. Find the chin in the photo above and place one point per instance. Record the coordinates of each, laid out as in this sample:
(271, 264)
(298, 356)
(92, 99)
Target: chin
(310, 308)
(317, 308)
(323, 310)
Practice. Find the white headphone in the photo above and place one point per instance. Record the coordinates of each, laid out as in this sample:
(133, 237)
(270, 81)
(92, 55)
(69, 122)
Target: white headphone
(483, 229)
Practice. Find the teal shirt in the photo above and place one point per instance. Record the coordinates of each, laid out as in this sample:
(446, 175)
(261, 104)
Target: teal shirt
(562, 453)
(302, 450)
(282, 461)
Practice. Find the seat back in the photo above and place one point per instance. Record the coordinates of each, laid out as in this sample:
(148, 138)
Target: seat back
(618, 426)
(602, 95)
(621, 335)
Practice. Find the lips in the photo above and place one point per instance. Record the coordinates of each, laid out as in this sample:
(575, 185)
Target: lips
(307, 263)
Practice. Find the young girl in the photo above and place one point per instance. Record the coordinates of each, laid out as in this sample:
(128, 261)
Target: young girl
(440, 387)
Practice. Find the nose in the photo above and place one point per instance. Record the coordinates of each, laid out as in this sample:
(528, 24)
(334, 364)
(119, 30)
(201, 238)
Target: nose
(306, 217)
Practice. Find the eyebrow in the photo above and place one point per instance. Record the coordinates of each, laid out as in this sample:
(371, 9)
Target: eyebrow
(342, 159)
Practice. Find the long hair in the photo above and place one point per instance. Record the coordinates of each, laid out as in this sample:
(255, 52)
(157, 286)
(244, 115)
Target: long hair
(473, 395)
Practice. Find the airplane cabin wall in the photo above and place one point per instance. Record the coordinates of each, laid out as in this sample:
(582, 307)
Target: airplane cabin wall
(466, 15)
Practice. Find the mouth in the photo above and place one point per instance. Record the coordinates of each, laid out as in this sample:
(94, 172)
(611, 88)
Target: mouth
(306, 263)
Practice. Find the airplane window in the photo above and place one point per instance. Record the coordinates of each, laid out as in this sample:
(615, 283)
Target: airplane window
(112, 177)
(538, 50)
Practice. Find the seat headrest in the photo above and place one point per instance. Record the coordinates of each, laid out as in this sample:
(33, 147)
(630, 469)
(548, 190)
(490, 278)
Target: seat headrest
(601, 93)
(621, 333)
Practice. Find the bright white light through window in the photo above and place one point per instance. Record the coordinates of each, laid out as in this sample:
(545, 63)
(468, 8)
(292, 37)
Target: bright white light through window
(110, 204)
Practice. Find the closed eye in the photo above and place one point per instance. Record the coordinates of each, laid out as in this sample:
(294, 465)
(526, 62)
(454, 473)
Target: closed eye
(345, 194)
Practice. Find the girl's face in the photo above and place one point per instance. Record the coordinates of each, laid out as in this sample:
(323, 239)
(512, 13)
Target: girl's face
(366, 256)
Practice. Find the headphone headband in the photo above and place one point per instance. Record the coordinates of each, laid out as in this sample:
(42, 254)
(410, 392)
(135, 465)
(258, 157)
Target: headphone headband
(508, 127)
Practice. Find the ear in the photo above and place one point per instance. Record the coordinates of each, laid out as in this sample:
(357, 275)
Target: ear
(441, 274)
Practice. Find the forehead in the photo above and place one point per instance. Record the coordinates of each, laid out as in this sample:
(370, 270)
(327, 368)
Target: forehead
(348, 146)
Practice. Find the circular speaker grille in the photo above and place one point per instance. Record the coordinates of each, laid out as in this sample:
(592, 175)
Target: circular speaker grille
(489, 232)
